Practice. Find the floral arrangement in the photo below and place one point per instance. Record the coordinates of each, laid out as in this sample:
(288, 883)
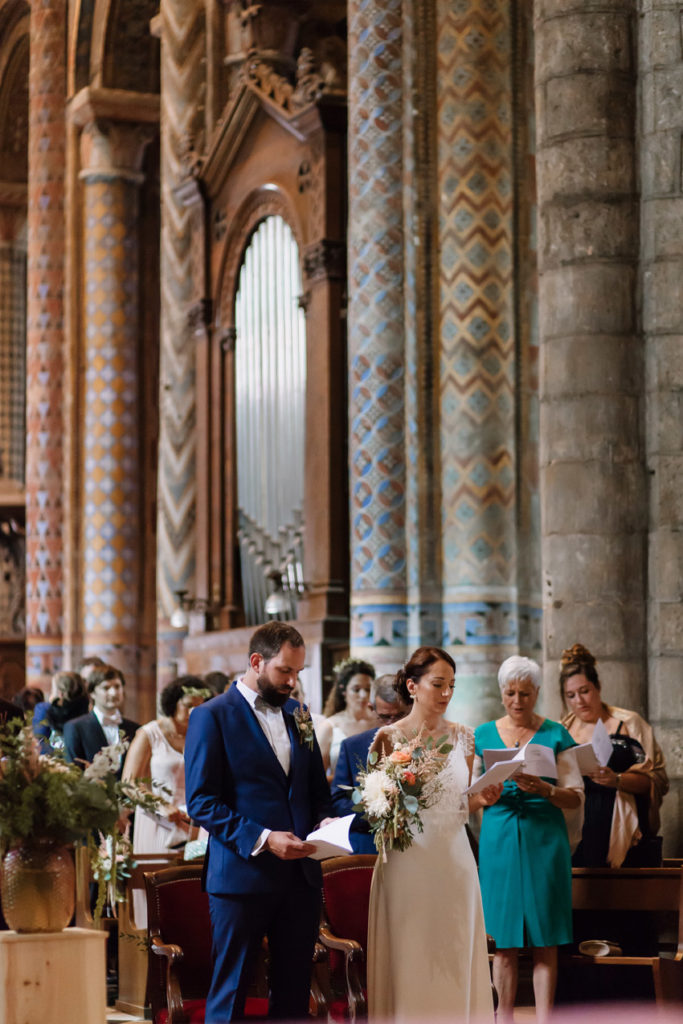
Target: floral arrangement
(42, 797)
(393, 790)
(304, 726)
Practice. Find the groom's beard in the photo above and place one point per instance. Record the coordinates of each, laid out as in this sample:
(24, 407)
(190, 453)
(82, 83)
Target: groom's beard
(270, 693)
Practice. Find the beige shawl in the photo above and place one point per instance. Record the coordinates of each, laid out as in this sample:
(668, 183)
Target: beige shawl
(625, 832)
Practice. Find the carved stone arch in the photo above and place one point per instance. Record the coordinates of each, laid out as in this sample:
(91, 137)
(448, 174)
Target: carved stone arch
(14, 68)
(81, 46)
(266, 201)
(130, 58)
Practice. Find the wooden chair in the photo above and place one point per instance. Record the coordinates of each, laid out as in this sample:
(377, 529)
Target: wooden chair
(132, 945)
(179, 965)
(655, 890)
(344, 932)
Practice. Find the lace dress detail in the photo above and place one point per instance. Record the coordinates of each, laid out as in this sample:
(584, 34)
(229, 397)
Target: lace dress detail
(448, 807)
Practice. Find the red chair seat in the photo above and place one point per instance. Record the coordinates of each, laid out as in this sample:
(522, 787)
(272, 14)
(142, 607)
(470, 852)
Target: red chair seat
(196, 1008)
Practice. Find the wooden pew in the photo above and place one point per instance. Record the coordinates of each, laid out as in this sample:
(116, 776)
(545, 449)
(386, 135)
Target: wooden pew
(626, 889)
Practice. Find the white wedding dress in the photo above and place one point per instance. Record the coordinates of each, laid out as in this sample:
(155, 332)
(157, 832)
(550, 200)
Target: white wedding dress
(427, 955)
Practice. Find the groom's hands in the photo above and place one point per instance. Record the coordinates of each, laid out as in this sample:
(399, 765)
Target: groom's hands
(287, 846)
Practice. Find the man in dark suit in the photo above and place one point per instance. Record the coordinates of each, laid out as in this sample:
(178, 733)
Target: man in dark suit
(86, 735)
(255, 780)
(353, 756)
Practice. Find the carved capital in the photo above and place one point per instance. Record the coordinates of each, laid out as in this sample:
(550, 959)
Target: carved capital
(112, 150)
(325, 259)
(228, 339)
(199, 315)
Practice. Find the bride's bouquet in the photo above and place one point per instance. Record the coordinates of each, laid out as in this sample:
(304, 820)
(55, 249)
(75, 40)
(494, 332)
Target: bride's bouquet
(397, 786)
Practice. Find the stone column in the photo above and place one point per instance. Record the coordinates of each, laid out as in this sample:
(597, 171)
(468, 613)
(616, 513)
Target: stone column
(661, 177)
(183, 70)
(44, 339)
(476, 383)
(593, 487)
(376, 347)
(111, 159)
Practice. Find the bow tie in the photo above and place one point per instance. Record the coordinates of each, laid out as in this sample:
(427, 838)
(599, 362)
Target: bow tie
(112, 718)
(262, 705)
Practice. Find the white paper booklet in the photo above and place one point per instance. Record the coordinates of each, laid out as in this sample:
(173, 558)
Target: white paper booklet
(532, 759)
(332, 840)
(498, 772)
(596, 754)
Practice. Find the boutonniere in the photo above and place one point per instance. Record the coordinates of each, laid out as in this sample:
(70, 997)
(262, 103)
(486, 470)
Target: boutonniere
(304, 726)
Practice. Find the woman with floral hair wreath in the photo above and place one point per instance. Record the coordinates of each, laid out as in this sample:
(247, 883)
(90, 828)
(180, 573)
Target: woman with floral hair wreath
(347, 707)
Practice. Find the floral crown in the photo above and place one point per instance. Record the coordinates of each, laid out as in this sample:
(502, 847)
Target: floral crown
(198, 691)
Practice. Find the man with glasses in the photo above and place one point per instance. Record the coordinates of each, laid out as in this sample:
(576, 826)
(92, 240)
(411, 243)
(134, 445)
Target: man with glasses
(353, 756)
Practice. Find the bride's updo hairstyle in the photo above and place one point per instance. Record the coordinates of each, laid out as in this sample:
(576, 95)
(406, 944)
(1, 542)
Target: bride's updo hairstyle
(419, 664)
(578, 661)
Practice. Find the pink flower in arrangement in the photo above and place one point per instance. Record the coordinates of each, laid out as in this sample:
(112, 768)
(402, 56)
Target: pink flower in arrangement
(409, 778)
(400, 756)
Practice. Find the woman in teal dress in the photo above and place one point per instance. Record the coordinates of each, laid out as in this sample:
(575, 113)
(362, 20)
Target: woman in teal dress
(524, 854)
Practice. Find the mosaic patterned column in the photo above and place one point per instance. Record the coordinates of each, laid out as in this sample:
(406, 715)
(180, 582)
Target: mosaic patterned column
(182, 78)
(44, 340)
(12, 340)
(111, 157)
(477, 378)
(376, 331)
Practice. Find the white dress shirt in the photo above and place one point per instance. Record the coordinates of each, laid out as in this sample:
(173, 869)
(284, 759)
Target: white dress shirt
(110, 725)
(272, 722)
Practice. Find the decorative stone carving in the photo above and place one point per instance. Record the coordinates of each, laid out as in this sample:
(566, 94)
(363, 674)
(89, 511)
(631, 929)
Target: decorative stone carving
(325, 259)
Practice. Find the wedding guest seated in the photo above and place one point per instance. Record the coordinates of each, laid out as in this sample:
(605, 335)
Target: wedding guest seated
(389, 708)
(622, 799)
(68, 699)
(28, 697)
(104, 725)
(347, 706)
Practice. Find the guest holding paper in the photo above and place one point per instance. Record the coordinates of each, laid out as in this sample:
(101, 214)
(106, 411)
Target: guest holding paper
(624, 796)
(524, 848)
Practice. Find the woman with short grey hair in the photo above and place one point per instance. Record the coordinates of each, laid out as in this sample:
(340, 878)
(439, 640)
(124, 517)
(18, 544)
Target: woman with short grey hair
(524, 855)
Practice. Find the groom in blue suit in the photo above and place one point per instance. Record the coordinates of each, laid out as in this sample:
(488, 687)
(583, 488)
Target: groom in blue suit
(255, 780)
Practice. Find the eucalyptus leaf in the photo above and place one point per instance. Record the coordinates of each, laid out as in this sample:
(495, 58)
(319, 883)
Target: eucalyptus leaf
(356, 796)
(372, 757)
(411, 804)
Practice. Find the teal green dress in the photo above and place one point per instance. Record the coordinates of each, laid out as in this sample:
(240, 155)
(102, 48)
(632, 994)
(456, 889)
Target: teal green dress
(525, 866)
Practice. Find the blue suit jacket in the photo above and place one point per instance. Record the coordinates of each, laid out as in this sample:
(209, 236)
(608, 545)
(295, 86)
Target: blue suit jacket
(353, 756)
(235, 787)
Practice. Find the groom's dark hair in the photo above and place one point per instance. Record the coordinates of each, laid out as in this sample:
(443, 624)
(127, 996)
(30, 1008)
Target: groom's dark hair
(269, 639)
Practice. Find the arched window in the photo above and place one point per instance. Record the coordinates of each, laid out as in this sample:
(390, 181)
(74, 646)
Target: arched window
(270, 415)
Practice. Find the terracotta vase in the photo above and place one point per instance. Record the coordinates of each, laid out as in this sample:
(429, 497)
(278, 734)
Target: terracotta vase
(37, 887)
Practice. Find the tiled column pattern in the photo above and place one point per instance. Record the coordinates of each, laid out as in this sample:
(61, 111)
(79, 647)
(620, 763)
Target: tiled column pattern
(477, 381)
(661, 178)
(44, 340)
(182, 78)
(375, 330)
(12, 351)
(111, 155)
(593, 487)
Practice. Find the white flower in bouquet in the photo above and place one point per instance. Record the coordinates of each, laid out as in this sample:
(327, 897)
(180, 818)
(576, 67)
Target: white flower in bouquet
(377, 792)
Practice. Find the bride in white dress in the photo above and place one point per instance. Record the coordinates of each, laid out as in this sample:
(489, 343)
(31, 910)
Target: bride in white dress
(427, 955)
